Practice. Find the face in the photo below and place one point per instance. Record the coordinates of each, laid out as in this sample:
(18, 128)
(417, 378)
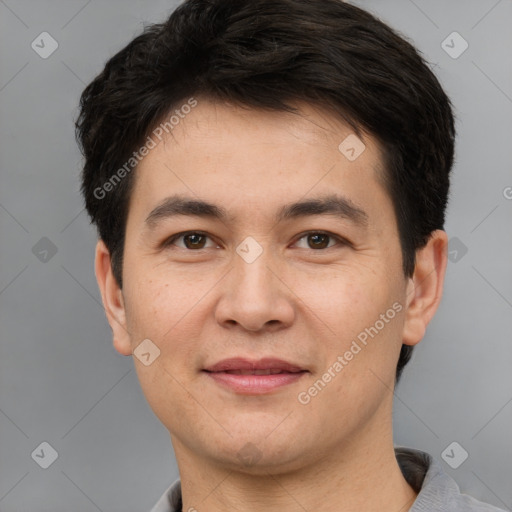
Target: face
(297, 258)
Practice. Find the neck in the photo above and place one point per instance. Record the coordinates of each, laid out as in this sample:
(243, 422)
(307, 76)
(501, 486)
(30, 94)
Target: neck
(362, 474)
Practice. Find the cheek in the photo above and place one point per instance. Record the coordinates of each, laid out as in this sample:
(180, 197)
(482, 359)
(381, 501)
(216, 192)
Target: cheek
(148, 301)
(346, 299)
(364, 315)
(358, 313)
(167, 314)
(171, 311)
(157, 298)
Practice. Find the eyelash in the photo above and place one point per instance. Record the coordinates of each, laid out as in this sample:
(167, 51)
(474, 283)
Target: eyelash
(341, 241)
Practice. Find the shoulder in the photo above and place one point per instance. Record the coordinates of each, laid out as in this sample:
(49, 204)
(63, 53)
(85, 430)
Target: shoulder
(437, 491)
(170, 501)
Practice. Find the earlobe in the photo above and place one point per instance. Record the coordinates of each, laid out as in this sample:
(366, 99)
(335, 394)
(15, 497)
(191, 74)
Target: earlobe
(425, 287)
(112, 298)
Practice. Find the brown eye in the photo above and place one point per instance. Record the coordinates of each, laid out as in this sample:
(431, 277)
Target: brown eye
(318, 241)
(192, 241)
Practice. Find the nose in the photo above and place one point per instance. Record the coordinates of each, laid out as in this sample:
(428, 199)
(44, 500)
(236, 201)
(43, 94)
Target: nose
(255, 296)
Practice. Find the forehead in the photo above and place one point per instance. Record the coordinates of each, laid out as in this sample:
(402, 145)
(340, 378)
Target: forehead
(211, 122)
(245, 157)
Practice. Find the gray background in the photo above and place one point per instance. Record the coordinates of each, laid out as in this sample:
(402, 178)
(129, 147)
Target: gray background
(62, 382)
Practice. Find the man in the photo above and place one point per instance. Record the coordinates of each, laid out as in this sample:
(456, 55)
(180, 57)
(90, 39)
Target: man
(269, 181)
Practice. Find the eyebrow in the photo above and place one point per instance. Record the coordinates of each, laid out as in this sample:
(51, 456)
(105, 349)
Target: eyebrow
(332, 204)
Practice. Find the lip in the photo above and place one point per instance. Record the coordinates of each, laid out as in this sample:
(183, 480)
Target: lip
(254, 384)
(240, 363)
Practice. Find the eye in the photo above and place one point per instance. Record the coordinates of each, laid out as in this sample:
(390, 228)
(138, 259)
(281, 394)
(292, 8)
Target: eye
(320, 240)
(196, 240)
(193, 240)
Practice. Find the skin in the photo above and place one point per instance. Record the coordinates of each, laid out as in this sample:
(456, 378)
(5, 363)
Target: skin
(296, 302)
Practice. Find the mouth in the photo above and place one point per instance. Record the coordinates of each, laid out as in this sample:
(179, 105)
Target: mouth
(268, 371)
(248, 377)
(237, 364)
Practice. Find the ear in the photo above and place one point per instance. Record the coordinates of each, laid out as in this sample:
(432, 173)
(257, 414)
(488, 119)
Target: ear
(113, 301)
(425, 287)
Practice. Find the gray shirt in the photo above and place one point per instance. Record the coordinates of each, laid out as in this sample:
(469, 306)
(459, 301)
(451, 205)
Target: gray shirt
(437, 491)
